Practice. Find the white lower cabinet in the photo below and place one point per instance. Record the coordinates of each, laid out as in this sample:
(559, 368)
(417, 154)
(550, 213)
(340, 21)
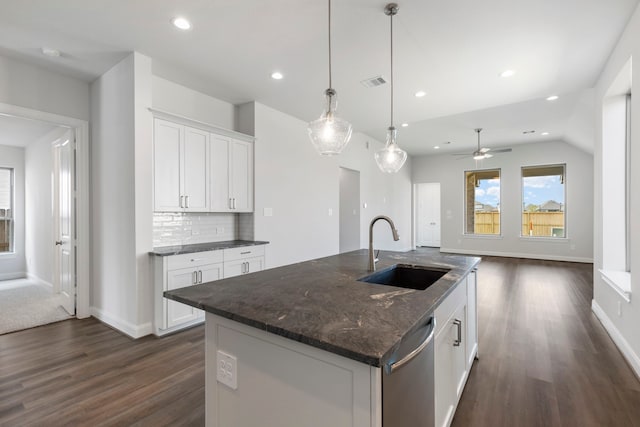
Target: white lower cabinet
(455, 348)
(179, 271)
(243, 260)
(281, 382)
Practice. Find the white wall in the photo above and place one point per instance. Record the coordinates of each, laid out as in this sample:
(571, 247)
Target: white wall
(300, 187)
(183, 101)
(619, 317)
(114, 293)
(12, 265)
(449, 172)
(38, 207)
(27, 86)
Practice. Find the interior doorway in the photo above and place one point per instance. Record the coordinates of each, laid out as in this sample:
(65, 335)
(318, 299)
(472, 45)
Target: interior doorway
(349, 210)
(428, 214)
(63, 238)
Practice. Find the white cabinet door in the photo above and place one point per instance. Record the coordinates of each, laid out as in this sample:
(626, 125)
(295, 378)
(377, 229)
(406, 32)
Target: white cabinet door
(459, 350)
(444, 383)
(472, 319)
(255, 264)
(231, 175)
(234, 268)
(243, 266)
(167, 156)
(241, 168)
(194, 170)
(178, 313)
(219, 174)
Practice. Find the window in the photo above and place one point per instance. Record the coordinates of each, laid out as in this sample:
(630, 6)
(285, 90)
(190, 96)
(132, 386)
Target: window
(6, 210)
(482, 202)
(543, 201)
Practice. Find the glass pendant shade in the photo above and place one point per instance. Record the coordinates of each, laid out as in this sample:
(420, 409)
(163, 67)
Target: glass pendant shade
(329, 134)
(391, 158)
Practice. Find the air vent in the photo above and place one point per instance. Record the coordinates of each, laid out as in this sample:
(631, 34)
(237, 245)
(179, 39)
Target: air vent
(373, 81)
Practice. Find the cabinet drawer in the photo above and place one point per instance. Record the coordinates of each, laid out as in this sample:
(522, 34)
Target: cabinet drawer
(447, 307)
(243, 252)
(195, 259)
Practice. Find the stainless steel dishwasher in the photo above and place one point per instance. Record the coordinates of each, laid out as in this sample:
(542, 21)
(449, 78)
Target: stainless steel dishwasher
(408, 382)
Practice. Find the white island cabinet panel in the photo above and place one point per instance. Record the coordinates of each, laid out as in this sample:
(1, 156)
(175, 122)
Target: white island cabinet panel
(285, 383)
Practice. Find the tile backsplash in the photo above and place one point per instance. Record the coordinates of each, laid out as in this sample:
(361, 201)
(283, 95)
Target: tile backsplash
(174, 228)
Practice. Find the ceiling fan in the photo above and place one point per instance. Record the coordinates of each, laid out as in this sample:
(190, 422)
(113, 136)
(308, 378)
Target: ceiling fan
(482, 153)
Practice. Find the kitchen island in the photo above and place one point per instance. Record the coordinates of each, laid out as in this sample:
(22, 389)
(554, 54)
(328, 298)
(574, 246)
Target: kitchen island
(308, 341)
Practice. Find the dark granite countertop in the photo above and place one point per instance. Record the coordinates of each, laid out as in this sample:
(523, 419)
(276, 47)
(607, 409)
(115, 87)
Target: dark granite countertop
(321, 303)
(203, 247)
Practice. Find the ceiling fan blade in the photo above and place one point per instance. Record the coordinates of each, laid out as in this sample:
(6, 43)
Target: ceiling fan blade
(484, 149)
(502, 150)
(488, 156)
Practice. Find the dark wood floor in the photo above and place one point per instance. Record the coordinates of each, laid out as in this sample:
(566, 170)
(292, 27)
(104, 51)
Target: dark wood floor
(545, 360)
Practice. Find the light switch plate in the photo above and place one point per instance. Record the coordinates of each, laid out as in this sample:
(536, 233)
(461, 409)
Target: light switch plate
(268, 212)
(227, 371)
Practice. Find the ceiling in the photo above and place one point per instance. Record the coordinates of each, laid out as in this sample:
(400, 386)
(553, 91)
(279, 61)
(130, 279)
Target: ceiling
(18, 132)
(453, 50)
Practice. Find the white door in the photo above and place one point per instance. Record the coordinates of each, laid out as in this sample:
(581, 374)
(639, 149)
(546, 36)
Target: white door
(64, 213)
(234, 268)
(255, 264)
(428, 215)
(194, 170)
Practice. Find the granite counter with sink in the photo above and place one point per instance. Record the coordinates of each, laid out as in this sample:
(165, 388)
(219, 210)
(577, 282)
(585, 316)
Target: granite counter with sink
(203, 247)
(322, 303)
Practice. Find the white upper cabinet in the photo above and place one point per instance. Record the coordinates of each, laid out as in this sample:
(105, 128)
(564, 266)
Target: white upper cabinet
(180, 156)
(231, 175)
(199, 171)
(194, 188)
(167, 157)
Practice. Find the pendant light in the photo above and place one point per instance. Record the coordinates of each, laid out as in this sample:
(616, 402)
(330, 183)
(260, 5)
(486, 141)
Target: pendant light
(391, 158)
(329, 134)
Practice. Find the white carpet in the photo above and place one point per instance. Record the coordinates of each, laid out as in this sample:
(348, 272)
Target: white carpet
(25, 304)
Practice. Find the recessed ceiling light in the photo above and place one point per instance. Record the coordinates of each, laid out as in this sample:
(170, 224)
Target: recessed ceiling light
(553, 98)
(404, 125)
(54, 53)
(420, 94)
(181, 23)
(436, 147)
(507, 73)
(544, 133)
(277, 76)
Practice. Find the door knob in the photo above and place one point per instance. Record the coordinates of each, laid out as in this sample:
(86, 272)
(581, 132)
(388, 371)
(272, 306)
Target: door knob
(59, 243)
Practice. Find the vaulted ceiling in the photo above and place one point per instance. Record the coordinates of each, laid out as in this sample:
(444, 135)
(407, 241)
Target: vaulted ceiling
(453, 50)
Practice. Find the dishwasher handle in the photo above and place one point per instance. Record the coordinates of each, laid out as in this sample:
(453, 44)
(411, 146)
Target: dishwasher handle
(391, 367)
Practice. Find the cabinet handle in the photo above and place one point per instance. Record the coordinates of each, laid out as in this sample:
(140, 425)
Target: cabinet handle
(186, 201)
(194, 278)
(199, 276)
(230, 203)
(247, 266)
(458, 323)
(234, 203)
(245, 253)
(182, 201)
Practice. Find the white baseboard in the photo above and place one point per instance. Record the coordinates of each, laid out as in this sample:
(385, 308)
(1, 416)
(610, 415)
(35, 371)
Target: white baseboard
(134, 331)
(12, 276)
(39, 280)
(616, 336)
(518, 255)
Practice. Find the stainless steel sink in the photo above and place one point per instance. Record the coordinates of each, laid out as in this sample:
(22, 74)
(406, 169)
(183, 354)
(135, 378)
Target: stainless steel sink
(406, 276)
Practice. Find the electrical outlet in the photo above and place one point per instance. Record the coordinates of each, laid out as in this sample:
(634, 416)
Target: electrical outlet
(619, 308)
(227, 373)
(330, 212)
(219, 230)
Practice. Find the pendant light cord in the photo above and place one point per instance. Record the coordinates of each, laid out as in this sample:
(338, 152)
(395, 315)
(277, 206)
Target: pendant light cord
(391, 124)
(330, 86)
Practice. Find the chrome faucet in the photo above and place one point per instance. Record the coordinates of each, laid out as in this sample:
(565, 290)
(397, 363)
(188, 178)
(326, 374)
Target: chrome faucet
(373, 259)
